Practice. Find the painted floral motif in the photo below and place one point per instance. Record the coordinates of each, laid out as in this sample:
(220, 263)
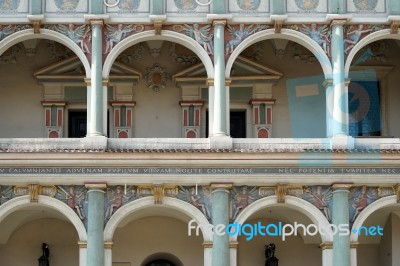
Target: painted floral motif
(66, 5)
(199, 197)
(355, 33)
(307, 4)
(117, 197)
(248, 4)
(319, 34)
(202, 35)
(320, 197)
(79, 34)
(365, 4)
(129, 5)
(186, 4)
(239, 34)
(75, 197)
(9, 4)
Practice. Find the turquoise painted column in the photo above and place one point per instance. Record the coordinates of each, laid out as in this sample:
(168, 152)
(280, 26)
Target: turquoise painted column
(394, 7)
(338, 97)
(95, 224)
(329, 119)
(36, 7)
(97, 6)
(96, 105)
(340, 215)
(220, 215)
(278, 7)
(220, 92)
(157, 7)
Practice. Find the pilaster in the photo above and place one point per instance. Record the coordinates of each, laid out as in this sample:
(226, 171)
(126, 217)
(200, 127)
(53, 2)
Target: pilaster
(54, 118)
(340, 216)
(262, 117)
(95, 224)
(123, 118)
(191, 117)
(220, 216)
(328, 84)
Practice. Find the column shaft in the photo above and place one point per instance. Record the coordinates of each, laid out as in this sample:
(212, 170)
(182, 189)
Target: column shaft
(95, 241)
(339, 95)
(220, 98)
(340, 216)
(95, 127)
(220, 215)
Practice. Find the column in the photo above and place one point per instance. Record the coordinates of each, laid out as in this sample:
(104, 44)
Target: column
(233, 253)
(220, 216)
(207, 253)
(340, 216)
(326, 253)
(353, 253)
(95, 225)
(338, 97)
(328, 84)
(96, 100)
(108, 253)
(220, 93)
(82, 253)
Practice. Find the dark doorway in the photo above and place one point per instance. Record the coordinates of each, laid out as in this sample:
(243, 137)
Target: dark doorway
(77, 122)
(237, 124)
(160, 263)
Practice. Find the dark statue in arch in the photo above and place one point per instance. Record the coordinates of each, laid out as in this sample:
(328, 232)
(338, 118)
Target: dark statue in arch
(44, 259)
(271, 260)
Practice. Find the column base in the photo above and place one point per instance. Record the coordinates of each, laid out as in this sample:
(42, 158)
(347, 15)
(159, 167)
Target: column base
(342, 142)
(222, 142)
(95, 142)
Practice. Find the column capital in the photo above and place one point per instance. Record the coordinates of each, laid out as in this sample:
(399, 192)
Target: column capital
(340, 22)
(354, 244)
(341, 186)
(95, 22)
(96, 186)
(327, 83)
(347, 82)
(105, 81)
(210, 82)
(82, 244)
(228, 82)
(219, 22)
(207, 244)
(225, 186)
(326, 245)
(233, 244)
(108, 244)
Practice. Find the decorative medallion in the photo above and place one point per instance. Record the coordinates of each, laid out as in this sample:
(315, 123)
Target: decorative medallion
(9, 4)
(248, 4)
(365, 4)
(66, 5)
(156, 77)
(307, 4)
(129, 5)
(186, 4)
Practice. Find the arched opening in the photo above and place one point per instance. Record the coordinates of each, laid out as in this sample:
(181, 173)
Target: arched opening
(162, 259)
(303, 246)
(166, 99)
(42, 79)
(377, 233)
(24, 226)
(271, 83)
(373, 70)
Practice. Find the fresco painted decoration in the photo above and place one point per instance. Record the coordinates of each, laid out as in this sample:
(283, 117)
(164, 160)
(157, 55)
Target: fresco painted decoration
(241, 197)
(320, 197)
(366, 7)
(130, 7)
(303, 7)
(188, 7)
(115, 34)
(7, 193)
(14, 7)
(117, 196)
(360, 198)
(66, 7)
(6, 30)
(198, 196)
(249, 7)
(239, 33)
(80, 34)
(321, 34)
(354, 33)
(76, 198)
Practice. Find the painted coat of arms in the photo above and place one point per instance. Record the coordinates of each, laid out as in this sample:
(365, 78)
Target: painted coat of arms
(66, 5)
(186, 4)
(248, 4)
(365, 4)
(9, 4)
(129, 5)
(307, 4)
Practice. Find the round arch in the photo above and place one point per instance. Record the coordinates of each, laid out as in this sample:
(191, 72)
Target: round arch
(28, 34)
(166, 36)
(169, 203)
(286, 34)
(375, 36)
(18, 203)
(162, 256)
(295, 203)
(376, 205)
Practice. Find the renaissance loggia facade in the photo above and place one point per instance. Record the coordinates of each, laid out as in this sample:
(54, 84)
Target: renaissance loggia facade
(124, 122)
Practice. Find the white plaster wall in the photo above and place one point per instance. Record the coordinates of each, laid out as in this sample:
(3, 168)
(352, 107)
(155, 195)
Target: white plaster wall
(142, 238)
(368, 255)
(24, 247)
(290, 252)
